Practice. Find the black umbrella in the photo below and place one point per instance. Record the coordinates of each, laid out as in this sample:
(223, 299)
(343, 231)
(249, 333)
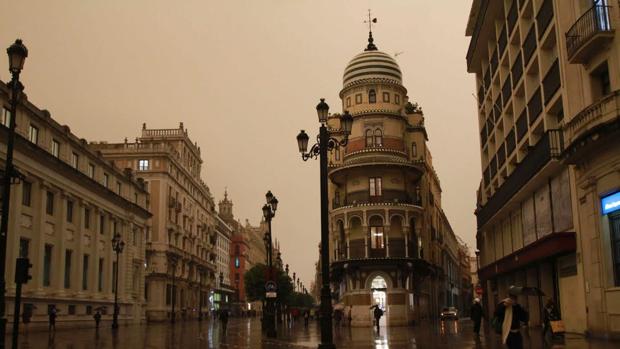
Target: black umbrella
(525, 291)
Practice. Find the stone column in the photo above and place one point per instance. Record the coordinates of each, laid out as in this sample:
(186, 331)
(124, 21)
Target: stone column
(386, 233)
(78, 224)
(59, 283)
(38, 236)
(366, 245)
(407, 235)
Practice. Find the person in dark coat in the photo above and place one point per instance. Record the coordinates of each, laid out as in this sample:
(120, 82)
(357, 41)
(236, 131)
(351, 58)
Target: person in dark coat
(52, 318)
(476, 315)
(551, 313)
(378, 313)
(224, 319)
(97, 318)
(511, 314)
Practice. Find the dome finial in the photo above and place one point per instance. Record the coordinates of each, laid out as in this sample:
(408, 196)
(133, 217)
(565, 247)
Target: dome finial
(371, 46)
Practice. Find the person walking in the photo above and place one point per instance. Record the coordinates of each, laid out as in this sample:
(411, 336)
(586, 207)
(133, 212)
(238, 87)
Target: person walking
(378, 313)
(510, 315)
(550, 314)
(349, 317)
(52, 313)
(224, 319)
(476, 315)
(97, 318)
(26, 316)
(306, 318)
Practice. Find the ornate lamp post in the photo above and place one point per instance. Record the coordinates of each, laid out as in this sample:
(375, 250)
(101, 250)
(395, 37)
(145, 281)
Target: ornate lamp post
(269, 211)
(117, 246)
(17, 56)
(325, 144)
(286, 270)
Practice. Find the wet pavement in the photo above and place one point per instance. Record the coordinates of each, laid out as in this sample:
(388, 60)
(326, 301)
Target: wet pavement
(246, 333)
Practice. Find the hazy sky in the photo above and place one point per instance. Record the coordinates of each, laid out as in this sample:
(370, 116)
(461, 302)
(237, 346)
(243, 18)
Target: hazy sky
(244, 77)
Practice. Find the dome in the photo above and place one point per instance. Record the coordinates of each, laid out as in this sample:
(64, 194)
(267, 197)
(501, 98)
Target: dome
(372, 64)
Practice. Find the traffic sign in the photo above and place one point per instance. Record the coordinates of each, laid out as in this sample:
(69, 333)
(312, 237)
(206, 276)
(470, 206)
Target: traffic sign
(479, 290)
(270, 286)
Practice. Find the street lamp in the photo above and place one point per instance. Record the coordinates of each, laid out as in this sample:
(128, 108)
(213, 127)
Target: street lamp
(320, 149)
(117, 246)
(17, 56)
(269, 211)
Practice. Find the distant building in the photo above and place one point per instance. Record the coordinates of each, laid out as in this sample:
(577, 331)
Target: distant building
(548, 209)
(180, 252)
(239, 252)
(223, 290)
(64, 213)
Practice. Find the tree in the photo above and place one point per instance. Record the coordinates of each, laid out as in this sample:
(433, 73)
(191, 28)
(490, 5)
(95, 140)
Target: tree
(255, 284)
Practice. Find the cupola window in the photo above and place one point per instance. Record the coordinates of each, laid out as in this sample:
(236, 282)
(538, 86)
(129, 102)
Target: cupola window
(358, 98)
(369, 138)
(372, 96)
(386, 97)
(348, 101)
(378, 138)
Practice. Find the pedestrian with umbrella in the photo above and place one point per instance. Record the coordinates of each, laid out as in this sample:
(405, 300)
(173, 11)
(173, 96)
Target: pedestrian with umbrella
(377, 313)
(509, 315)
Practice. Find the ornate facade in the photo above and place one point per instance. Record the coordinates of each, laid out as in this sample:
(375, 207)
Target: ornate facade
(388, 232)
(64, 213)
(548, 80)
(181, 259)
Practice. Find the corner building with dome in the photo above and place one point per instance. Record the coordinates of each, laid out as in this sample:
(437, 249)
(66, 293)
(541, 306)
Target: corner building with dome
(391, 244)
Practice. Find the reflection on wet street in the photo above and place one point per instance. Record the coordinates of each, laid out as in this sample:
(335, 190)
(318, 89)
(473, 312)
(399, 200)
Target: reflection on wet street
(246, 333)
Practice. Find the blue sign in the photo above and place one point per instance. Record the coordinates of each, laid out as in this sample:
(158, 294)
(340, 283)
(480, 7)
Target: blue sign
(611, 203)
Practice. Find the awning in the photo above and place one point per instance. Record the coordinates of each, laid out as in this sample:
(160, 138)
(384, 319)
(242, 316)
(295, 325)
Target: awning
(554, 244)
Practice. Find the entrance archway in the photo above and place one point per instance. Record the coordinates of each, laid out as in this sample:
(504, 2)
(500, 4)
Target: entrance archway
(378, 287)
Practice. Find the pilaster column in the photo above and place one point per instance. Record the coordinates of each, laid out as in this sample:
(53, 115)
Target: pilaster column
(60, 243)
(407, 235)
(386, 231)
(38, 236)
(80, 237)
(366, 245)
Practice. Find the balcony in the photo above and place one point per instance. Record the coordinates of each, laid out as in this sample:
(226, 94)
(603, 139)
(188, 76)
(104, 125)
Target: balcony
(548, 147)
(589, 34)
(595, 117)
(389, 197)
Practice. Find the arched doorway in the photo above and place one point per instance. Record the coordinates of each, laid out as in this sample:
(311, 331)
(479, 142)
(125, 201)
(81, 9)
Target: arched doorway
(378, 288)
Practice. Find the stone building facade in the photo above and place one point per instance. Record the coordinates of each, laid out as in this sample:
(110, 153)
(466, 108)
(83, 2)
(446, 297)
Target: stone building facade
(548, 80)
(180, 253)
(388, 232)
(63, 216)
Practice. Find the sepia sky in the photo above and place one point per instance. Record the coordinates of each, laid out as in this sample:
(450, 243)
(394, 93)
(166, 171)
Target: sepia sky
(244, 76)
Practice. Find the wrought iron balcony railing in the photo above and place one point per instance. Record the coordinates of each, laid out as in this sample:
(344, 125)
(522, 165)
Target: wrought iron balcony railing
(588, 33)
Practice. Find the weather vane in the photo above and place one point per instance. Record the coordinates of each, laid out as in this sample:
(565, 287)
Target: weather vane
(370, 21)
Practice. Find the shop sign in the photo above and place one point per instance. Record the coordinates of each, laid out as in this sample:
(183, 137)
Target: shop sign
(610, 203)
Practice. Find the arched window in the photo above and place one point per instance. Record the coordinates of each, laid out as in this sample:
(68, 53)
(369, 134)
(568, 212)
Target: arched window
(372, 96)
(378, 138)
(368, 138)
(336, 198)
(413, 242)
(414, 150)
(377, 234)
